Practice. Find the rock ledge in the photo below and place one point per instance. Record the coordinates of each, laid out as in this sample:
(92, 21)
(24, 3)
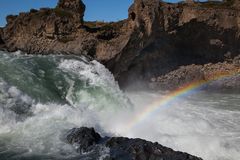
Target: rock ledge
(122, 148)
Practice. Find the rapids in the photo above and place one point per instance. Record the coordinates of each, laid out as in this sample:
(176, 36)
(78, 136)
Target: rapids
(42, 97)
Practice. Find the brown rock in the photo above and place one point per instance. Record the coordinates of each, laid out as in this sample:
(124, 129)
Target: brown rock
(190, 1)
(75, 6)
(236, 3)
(173, 35)
(11, 18)
(156, 39)
(178, 78)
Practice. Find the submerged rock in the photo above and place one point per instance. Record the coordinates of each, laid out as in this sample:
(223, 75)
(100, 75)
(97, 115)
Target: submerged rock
(124, 148)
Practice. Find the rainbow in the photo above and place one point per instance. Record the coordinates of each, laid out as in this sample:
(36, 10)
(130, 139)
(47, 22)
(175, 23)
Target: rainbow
(171, 97)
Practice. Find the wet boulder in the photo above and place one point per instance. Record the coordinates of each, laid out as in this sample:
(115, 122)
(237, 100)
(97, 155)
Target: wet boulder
(84, 137)
(138, 149)
(120, 148)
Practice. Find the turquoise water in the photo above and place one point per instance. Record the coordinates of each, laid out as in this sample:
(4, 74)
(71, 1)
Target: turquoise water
(42, 97)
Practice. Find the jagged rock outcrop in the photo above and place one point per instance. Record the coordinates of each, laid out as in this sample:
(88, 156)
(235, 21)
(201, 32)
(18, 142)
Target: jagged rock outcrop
(181, 34)
(227, 75)
(86, 137)
(121, 148)
(61, 30)
(157, 37)
(77, 7)
(48, 30)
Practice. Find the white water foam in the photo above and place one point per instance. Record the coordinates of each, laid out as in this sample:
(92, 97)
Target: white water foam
(196, 124)
(196, 127)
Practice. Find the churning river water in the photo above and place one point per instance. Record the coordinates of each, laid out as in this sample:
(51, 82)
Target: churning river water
(42, 97)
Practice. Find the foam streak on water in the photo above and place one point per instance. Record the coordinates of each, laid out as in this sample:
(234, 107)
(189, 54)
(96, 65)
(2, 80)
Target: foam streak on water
(199, 124)
(42, 97)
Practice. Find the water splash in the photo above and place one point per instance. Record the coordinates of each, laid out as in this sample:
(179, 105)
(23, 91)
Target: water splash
(42, 97)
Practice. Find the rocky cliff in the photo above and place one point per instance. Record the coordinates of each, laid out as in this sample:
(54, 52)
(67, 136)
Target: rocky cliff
(174, 35)
(207, 73)
(156, 39)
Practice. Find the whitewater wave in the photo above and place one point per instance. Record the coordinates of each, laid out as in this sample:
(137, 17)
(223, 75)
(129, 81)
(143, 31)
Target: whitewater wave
(43, 97)
(60, 93)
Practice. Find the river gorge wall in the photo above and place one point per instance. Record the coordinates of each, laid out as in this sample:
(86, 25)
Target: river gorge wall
(156, 39)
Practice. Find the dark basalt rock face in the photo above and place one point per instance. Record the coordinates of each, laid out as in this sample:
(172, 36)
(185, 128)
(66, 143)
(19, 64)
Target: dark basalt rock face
(138, 149)
(86, 137)
(175, 35)
(1, 40)
(156, 39)
(124, 148)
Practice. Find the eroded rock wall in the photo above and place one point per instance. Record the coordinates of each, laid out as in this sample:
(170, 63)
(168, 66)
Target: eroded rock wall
(174, 35)
(157, 37)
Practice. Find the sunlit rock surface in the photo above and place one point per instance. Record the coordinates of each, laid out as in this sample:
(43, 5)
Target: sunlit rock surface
(156, 38)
